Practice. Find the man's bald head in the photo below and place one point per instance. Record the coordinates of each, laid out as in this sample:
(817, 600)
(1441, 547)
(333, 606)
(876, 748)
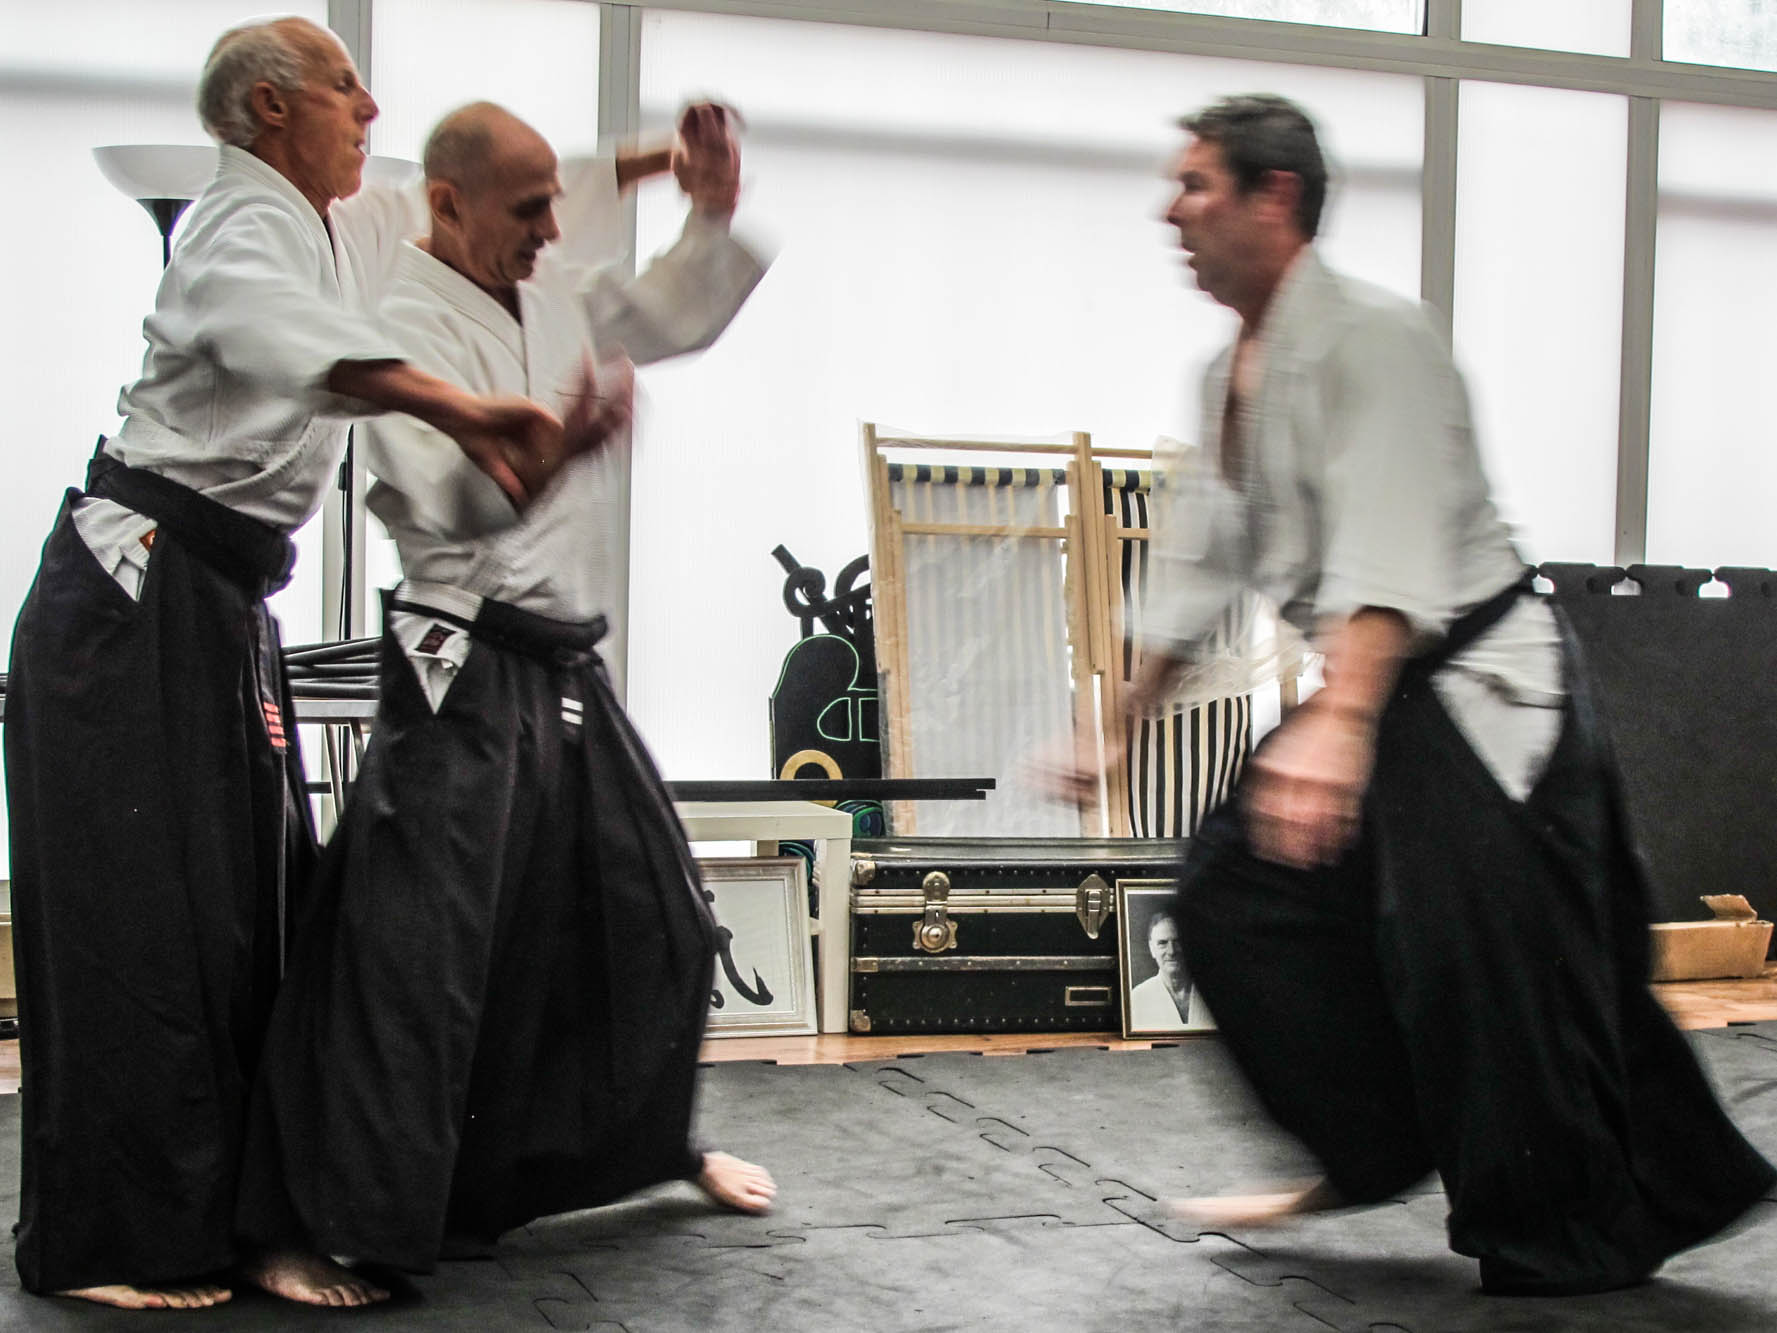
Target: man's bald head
(491, 182)
(478, 142)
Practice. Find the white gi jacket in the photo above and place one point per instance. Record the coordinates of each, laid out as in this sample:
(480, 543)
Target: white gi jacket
(1361, 486)
(459, 538)
(261, 299)
(1151, 1008)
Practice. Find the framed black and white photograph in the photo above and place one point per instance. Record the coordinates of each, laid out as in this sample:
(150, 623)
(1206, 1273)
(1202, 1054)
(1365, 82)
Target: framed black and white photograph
(1158, 997)
(764, 961)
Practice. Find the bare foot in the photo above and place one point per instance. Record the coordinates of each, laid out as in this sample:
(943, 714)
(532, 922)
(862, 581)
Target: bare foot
(1257, 1210)
(126, 1297)
(311, 1279)
(736, 1184)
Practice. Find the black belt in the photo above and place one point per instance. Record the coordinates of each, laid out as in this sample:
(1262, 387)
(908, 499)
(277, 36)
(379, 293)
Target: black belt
(1467, 628)
(557, 642)
(248, 552)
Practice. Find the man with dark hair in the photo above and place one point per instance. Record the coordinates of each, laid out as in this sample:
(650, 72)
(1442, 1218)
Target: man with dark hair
(1259, 133)
(1418, 924)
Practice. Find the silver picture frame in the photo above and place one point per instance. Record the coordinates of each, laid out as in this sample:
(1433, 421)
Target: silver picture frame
(764, 979)
(1148, 1007)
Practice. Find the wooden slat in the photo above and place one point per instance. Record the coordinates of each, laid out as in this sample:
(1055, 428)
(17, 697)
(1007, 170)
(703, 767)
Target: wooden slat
(1088, 503)
(923, 529)
(1115, 690)
(975, 446)
(1085, 725)
(888, 594)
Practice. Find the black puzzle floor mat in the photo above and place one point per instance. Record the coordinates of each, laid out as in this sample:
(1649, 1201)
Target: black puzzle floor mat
(1019, 1193)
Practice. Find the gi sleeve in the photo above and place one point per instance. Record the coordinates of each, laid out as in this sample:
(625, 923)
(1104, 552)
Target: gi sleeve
(441, 492)
(1196, 527)
(253, 313)
(590, 212)
(683, 301)
(1391, 405)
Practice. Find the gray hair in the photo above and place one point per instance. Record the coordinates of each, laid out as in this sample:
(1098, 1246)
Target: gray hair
(258, 52)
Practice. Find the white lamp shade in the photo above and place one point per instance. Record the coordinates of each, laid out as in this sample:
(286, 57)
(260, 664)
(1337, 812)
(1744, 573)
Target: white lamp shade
(158, 171)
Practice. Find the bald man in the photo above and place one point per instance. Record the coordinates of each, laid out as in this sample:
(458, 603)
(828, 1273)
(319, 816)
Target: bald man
(158, 819)
(494, 1013)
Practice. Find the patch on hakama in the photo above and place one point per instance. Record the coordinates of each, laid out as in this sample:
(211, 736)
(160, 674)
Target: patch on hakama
(274, 723)
(573, 714)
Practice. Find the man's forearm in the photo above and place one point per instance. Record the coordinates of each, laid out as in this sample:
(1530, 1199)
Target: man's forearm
(1153, 679)
(396, 386)
(1363, 660)
(638, 164)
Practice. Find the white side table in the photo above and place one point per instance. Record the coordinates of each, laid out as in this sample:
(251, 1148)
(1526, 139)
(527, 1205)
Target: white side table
(761, 822)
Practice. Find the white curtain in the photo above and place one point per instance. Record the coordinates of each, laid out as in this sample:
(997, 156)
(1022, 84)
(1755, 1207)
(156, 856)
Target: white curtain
(988, 664)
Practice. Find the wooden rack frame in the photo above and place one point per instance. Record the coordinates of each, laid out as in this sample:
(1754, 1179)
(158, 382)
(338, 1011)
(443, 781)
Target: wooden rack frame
(1093, 541)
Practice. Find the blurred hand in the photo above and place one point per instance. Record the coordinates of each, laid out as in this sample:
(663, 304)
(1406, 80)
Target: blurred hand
(1304, 788)
(603, 405)
(706, 159)
(520, 445)
(1069, 771)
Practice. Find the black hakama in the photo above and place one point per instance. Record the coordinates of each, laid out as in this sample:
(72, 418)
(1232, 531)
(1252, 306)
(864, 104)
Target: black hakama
(156, 817)
(493, 1011)
(1466, 992)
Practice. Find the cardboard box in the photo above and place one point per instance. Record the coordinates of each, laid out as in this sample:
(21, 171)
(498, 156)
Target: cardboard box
(1732, 945)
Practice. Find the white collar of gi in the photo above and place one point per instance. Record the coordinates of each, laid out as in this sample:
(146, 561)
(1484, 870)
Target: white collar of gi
(239, 162)
(451, 286)
(1298, 292)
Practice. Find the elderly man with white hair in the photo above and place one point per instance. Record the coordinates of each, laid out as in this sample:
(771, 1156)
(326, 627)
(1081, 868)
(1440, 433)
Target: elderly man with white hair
(158, 818)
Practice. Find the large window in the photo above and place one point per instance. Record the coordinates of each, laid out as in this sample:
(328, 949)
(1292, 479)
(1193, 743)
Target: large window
(537, 58)
(1712, 467)
(84, 260)
(1722, 32)
(1378, 15)
(1538, 319)
(970, 241)
(1596, 27)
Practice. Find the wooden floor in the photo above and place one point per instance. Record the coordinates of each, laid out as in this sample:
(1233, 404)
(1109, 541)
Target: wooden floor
(1693, 1004)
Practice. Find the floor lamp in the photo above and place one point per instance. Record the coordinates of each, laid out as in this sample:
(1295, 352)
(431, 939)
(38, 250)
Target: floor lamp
(164, 178)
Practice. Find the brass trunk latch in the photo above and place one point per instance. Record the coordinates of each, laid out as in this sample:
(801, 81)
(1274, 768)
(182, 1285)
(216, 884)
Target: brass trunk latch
(935, 931)
(1092, 904)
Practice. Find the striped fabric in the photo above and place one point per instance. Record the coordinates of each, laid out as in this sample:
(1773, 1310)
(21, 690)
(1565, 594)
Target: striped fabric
(926, 474)
(1185, 764)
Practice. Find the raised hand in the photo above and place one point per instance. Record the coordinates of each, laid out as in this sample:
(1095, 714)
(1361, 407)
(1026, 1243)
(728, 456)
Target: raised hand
(706, 158)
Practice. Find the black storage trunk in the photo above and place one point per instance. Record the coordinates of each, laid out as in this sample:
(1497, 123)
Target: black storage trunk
(992, 934)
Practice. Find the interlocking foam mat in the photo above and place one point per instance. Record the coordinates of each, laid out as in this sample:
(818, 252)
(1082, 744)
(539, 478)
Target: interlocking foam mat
(1019, 1193)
